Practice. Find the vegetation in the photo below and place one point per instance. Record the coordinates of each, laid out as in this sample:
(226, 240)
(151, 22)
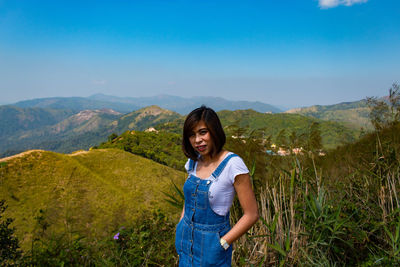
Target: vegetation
(15, 120)
(65, 131)
(144, 118)
(352, 114)
(341, 209)
(270, 125)
(10, 253)
(86, 194)
(333, 134)
(82, 130)
(146, 241)
(162, 147)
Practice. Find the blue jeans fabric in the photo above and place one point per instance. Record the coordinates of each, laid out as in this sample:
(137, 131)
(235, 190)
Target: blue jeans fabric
(198, 233)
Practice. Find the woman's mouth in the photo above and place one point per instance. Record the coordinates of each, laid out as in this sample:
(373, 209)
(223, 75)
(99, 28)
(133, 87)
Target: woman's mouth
(201, 148)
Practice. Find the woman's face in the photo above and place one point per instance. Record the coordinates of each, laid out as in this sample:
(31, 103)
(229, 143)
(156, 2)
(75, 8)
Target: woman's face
(201, 140)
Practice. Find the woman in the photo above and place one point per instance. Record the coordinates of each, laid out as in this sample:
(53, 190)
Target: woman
(203, 234)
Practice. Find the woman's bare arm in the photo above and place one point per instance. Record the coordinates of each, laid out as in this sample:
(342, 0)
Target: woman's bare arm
(249, 205)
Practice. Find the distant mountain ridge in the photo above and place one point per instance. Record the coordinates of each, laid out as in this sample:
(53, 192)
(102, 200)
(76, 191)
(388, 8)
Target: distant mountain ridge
(178, 104)
(76, 104)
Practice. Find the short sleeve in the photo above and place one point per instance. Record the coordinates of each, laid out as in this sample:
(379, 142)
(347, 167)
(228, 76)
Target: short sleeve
(236, 167)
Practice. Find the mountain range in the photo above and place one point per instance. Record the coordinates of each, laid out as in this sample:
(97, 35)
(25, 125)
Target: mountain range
(82, 130)
(69, 124)
(178, 104)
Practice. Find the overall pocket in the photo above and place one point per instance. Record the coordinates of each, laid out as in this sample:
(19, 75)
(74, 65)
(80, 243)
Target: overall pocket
(213, 253)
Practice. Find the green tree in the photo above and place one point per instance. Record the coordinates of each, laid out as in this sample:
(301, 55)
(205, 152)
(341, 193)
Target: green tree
(10, 253)
(297, 140)
(314, 138)
(385, 112)
(281, 139)
(112, 137)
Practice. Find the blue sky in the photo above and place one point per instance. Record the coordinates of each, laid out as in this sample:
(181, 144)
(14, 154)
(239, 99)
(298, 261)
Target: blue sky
(287, 53)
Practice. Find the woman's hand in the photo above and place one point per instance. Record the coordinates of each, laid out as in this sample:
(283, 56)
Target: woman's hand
(248, 203)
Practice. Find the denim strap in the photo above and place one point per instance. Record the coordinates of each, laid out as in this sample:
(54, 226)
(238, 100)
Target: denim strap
(191, 165)
(222, 165)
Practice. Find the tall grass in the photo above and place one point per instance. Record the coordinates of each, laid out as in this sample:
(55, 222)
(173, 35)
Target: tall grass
(331, 211)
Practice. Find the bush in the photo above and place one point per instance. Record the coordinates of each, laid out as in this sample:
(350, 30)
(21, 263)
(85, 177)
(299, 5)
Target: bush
(10, 253)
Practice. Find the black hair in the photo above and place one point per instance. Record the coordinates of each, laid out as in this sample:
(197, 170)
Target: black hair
(214, 126)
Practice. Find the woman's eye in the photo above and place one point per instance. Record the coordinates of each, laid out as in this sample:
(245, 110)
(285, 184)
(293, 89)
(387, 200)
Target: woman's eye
(203, 132)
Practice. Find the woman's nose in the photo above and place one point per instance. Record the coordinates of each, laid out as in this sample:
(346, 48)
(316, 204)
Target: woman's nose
(198, 138)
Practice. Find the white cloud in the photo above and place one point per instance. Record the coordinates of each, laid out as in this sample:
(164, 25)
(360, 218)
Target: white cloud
(334, 3)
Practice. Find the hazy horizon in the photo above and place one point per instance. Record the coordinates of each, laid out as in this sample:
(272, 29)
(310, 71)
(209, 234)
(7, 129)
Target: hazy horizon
(287, 53)
(284, 108)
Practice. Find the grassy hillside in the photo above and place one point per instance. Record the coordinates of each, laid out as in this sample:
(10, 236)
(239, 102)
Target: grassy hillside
(88, 193)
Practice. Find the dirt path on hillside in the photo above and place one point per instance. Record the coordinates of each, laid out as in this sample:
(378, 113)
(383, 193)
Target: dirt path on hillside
(78, 153)
(21, 154)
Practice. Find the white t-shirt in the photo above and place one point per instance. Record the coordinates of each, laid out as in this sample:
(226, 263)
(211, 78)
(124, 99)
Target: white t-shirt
(222, 191)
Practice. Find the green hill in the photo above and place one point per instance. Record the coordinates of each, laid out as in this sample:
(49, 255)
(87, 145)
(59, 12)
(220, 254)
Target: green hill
(144, 118)
(333, 133)
(89, 193)
(83, 130)
(162, 147)
(55, 137)
(14, 120)
(353, 114)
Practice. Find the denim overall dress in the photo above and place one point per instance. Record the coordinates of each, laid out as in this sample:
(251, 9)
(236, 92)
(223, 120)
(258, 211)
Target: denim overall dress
(199, 231)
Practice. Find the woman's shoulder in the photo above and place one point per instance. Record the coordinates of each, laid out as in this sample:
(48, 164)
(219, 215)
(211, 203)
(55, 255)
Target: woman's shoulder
(234, 167)
(235, 159)
(233, 156)
(236, 163)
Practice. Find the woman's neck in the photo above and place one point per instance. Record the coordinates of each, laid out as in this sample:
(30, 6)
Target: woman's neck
(207, 159)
